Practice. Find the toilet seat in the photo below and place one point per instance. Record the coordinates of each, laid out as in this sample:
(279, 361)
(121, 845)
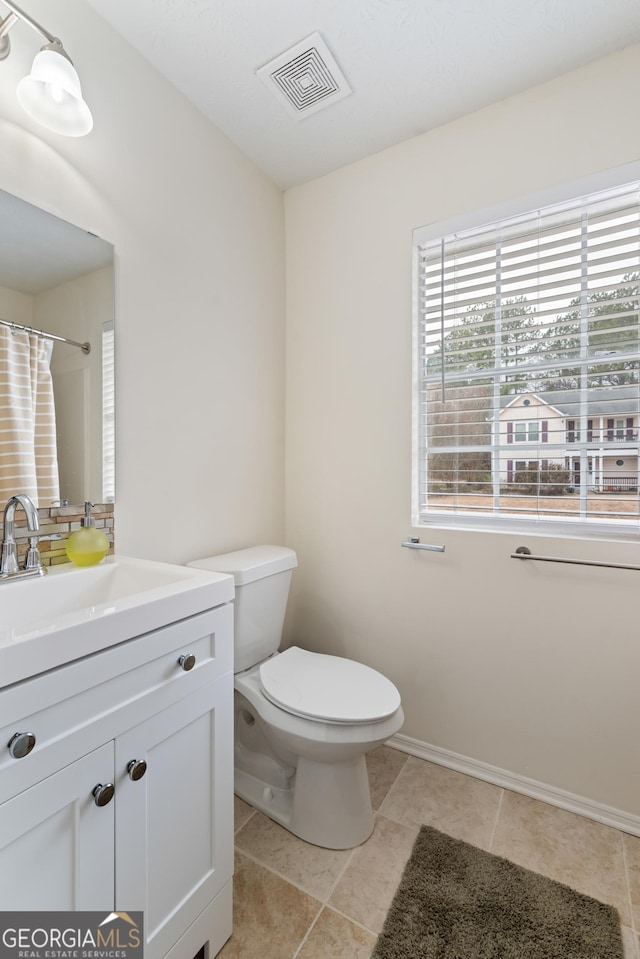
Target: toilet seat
(327, 688)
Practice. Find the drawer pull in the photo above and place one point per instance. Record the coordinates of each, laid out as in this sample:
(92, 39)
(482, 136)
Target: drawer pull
(136, 769)
(187, 661)
(21, 744)
(103, 794)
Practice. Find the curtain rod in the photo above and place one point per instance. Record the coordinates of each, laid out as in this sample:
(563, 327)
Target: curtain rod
(85, 347)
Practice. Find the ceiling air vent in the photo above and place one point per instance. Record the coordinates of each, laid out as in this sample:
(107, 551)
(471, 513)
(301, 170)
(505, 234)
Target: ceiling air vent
(306, 78)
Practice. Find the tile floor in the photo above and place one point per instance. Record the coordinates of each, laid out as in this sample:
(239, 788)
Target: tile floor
(296, 901)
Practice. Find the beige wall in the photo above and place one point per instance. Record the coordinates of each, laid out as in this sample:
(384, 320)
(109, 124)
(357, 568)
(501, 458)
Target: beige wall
(198, 234)
(78, 310)
(15, 306)
(529, 668)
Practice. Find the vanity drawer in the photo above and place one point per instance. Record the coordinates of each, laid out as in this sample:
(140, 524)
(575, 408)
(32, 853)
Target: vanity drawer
(77, 707)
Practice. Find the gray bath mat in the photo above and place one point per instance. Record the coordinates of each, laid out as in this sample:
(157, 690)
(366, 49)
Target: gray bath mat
(458, 902)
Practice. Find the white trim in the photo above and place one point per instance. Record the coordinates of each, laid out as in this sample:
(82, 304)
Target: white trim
(609, 816)
(564, 192)
(415, 379)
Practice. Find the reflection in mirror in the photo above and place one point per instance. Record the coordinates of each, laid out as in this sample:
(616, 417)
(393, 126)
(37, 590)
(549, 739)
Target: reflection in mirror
(56, 398)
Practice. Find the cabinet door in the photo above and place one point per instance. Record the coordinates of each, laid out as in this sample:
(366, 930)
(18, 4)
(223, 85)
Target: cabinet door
(174, 836)
(56, 845)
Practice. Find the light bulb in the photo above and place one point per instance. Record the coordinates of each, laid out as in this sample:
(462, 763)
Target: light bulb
(51, 94)
(55, 92)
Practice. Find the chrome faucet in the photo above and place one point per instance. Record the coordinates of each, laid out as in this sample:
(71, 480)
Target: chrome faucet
(9, 562)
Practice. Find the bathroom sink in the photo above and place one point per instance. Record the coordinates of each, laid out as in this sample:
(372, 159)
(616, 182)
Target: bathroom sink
(49, 620)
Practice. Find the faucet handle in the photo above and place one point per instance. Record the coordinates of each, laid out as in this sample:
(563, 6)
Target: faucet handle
(33, 556)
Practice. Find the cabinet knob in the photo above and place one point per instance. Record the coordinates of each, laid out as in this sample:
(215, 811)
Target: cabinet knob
(136, 769)
(103, 794)
(187, 661)
(21, 744)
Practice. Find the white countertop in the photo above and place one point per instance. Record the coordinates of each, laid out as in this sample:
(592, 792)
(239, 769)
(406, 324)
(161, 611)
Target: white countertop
(47, 621)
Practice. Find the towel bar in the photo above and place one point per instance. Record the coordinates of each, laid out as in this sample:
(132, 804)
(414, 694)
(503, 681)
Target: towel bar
(414, 543)
(523, 552)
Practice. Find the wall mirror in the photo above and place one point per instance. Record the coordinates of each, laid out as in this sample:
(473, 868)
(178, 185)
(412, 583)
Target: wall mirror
(57, 279)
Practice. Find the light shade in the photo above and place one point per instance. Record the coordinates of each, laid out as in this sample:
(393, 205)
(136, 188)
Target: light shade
(51, 94)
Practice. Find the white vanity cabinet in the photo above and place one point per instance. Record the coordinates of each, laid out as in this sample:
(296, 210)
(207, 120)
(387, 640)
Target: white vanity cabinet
(56, 846)
(150, 719)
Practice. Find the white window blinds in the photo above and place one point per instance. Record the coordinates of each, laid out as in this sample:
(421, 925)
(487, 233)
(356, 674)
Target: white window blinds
(108, 414)
(528, 359)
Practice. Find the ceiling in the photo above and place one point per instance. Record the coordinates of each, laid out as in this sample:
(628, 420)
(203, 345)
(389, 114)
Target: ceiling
(39, 251)
(412, 64)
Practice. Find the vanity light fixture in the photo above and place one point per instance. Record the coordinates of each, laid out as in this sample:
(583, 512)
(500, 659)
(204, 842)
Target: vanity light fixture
(51, 93)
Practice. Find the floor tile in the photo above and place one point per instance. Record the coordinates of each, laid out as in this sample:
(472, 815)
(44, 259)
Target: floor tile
(579, 852)
(632, 855)
(270, 916)
(316, 870)
(369, 882)
(242, 811)
(334, 937)
(383, 765)
(461, 806)
(630, 943)
(293, 900)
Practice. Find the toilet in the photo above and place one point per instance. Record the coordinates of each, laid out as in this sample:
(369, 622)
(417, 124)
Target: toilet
(303, 721)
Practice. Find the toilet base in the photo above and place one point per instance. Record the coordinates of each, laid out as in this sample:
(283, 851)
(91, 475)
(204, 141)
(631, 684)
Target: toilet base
(327, 804)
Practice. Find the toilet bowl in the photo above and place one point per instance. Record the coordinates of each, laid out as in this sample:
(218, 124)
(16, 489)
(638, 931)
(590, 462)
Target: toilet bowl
(303, 721)
(308, 772)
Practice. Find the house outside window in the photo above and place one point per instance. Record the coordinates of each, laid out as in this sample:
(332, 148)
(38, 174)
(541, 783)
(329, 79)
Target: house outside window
(527, 353)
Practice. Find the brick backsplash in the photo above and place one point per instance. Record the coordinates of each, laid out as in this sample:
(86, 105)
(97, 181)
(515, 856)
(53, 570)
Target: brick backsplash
(59, 522)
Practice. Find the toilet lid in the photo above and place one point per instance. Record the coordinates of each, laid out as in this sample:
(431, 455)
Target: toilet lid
(329, 688)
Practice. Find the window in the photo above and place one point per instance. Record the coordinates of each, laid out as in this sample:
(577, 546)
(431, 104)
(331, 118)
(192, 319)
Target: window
(526, 432)
(108, 414)
(527, 344)
(573, 431)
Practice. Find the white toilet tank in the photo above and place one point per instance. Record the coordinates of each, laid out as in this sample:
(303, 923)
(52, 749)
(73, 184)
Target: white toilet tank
(262, 575)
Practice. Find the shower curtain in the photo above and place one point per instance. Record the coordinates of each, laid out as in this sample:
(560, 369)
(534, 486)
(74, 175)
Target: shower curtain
(28, 449)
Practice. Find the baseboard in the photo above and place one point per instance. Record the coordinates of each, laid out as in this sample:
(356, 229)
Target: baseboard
(617, 818)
